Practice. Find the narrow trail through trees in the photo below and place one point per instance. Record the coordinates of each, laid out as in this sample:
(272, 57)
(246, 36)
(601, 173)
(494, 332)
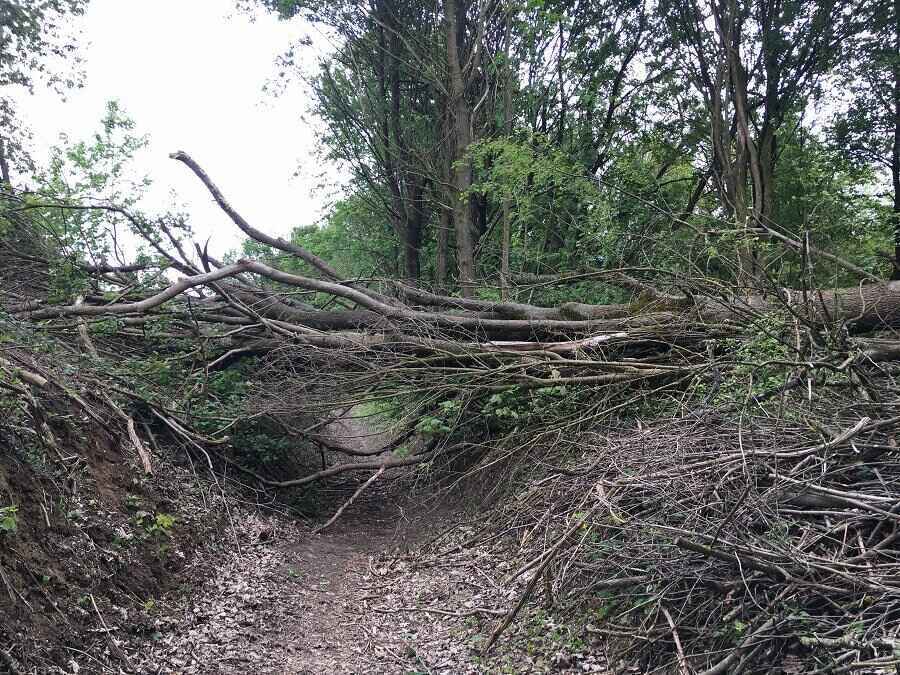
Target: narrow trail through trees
(334, 602)
(358, 597)
(295, 604)
(294, 600)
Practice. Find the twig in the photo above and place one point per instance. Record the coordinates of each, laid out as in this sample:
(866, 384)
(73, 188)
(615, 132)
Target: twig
(356, 494)
(742, 558)
(83, 333)
(723, 665)
(683, 667)
(112, 641)
(475, 611)
(529, 589)
(136, 441)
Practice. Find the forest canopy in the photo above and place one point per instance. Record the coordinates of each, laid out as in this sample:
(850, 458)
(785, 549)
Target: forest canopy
(489, 140)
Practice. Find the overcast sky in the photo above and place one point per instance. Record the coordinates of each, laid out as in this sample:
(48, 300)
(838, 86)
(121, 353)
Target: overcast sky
(190, 73)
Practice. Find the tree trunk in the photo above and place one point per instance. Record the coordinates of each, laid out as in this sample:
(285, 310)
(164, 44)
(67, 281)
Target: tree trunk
(767, 153)
(443, 249)
(462, 167)
(4, 165)
(895, 150)
(507, 128)
(443, 196)
(412, 231)
(504, 253)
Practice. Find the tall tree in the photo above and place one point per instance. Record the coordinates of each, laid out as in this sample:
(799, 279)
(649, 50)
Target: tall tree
(403, 98)
(589, 69)
(460, 61)
(868, 131)
(377, 108)
(37, 45)
(753, 62)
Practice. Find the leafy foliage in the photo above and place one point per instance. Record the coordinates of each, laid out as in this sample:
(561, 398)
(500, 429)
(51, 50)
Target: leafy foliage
(37, 45)
(85, 173)
(9, 519)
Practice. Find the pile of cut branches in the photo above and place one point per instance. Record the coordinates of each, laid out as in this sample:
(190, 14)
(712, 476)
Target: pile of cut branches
(723, 543)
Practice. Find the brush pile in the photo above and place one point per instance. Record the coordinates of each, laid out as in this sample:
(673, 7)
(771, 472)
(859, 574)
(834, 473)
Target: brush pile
(717, 542)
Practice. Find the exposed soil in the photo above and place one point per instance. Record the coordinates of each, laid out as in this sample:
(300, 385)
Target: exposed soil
(86, 548)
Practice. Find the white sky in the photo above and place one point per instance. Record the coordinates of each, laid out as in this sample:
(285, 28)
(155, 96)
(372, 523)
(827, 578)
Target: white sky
(190, 73)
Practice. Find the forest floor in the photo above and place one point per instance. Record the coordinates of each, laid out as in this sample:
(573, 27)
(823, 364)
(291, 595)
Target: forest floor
(357, 599)
(370, 594)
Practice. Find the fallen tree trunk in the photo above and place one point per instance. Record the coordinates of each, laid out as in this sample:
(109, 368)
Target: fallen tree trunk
(246, 287)
(858, 309)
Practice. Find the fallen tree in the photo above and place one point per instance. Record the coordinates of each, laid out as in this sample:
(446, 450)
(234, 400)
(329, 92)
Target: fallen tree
(392, 337)
(391, 332)
(751, 498)
(858, 309)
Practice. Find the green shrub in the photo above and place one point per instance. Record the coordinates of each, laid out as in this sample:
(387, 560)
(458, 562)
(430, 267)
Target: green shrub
(9, 518)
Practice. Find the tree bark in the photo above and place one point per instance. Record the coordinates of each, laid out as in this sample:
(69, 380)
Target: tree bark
(505, 234)
(444, 197)
(4, 164)
(462, 166)
(412, 231)
(443, 249)
(895, 150)
(768, 150)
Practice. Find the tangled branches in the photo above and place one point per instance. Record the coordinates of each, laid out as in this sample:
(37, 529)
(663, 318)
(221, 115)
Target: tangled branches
(719, 542)
(716, 471)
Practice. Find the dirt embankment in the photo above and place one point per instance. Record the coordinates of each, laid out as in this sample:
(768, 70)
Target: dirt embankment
(90, 544)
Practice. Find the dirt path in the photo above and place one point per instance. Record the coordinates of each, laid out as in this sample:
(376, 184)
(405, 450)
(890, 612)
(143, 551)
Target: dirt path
(294, 602)
(357, 598)
(285, 600)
